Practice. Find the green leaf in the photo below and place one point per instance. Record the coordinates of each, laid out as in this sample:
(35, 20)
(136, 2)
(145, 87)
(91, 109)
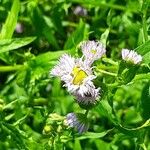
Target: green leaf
(144, 48)
(104, 109)
(77, 36)
(145, 101)
(16, 136)
(146, 58)
(37, 67)
(104, 37)
(44, 59)
(77, 145)
(11, 21)
(141, 77)
(12, 44)
(129, 74)
(92, 135)
(41, 26)
(134, 132)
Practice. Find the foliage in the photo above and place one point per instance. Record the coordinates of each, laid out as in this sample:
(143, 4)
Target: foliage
(34, 34)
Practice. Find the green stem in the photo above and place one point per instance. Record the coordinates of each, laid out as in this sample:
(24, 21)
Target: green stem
(100, 4)
(10, 68)
(110, 61)
(108, 73)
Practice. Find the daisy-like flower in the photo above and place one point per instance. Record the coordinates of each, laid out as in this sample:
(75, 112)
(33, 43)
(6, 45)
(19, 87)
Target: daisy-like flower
(92, 51)
(131, 56)
(76, 74)
(78, 121)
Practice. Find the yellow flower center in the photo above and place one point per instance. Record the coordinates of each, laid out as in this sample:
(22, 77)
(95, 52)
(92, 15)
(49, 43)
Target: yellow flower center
(93, 51)
(78, 75)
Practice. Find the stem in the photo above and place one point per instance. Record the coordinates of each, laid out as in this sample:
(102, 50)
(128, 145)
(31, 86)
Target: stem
(100, 4)
(108, 73)
(110, 61)
(10, 68)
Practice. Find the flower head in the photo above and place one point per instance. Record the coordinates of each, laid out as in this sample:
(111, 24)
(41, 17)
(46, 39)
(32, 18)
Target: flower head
(77, 121)
(75, 73)
(131, 56)
(90, 99)
(92, 51)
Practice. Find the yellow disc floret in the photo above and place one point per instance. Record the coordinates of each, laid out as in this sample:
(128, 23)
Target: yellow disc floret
(93, 51)
(78, 75)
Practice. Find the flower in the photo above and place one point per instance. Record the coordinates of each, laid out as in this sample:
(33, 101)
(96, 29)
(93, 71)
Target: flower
(78, 121)
(131, 56)
(80, 11)
(89, 100)
(92, 51)
(76, 74)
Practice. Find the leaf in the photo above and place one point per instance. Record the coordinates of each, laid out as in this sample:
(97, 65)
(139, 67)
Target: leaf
(56, 16)
(129, 74)
(44, 59)
(77, 145)
(15, 43)
(146, 58)
(11, 21)
(141, 77)
(77, 36)
(41, 26)
(145, 101)
(104, 37)
(134, 132)
(92, 135)
(144, 48)
(16, 136)
(104, 109)
(37, 67)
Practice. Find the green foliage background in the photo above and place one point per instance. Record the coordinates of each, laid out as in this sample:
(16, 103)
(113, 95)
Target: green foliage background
(33, 105)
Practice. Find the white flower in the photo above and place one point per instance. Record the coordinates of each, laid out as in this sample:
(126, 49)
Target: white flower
(76, 74)
(92, 51)
(131, 56)
(78, 121)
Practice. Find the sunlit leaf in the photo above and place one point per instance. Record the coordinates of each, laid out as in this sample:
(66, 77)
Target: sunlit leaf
(11, 21)
(91, 135)
(12, 44)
